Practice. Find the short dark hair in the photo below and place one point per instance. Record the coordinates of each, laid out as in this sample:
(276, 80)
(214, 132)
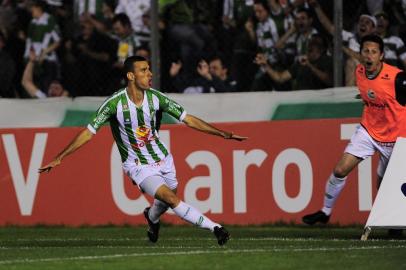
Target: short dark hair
(123, 19)
(264, 3)
(129, 62)
(305, 10)
(220, 57)
(372, 38)
(110, 3)
(39, 3)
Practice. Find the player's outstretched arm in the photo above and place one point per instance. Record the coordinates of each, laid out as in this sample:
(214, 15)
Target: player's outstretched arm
(198, 124)
(83, 137)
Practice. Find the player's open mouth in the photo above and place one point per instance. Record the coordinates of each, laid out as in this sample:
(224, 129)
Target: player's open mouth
(368, 64)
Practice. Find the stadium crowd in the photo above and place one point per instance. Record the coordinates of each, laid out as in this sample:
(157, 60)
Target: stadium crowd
(77, 47)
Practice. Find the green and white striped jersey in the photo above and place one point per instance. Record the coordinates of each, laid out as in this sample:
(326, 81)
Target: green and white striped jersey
(135, 129)
(42, 32)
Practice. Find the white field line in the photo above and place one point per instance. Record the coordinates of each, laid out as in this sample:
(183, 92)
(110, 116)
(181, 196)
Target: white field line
(196, 252)
(286, 239)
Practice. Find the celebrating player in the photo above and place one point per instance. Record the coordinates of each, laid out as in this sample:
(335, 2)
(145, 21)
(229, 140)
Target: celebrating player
(134, 114)
(383, 91)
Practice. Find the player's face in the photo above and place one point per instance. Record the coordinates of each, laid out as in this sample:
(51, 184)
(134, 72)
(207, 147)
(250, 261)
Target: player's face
(142, 75)
(371, 56)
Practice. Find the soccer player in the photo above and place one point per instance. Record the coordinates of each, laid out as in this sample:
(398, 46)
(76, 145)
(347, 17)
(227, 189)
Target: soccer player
(134, 115)
(383, 91)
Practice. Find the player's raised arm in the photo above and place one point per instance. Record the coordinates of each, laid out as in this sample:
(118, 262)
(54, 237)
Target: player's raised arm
(83, 137)
(198, 124)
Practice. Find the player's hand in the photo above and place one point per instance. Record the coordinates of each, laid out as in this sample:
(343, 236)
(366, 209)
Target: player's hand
(49, 166)
(232, 136)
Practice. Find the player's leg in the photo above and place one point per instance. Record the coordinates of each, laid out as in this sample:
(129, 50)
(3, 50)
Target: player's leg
(360, 147)
(168, 172)
(334, 186)
(191, 214)
(157, 209)
(337, 180)
(149, 185)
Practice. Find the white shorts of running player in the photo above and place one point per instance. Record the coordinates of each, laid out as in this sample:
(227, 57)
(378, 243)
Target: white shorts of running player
(362, 145)
(150, 177)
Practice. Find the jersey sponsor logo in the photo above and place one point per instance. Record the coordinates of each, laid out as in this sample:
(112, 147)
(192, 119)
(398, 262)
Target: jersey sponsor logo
(174, 107)
(376, 105)
(102, 117)
(125, 107)
(143, 133)
(371, 94)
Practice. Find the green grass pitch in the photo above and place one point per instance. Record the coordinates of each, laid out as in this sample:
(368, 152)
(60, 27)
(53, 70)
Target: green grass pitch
(185, 247)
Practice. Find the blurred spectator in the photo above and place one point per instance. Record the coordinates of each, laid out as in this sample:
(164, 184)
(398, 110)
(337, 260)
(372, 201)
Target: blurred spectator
(144, 32)
(218, 69)
(212, 78)
(91, 7)
(266, 31)
(204, 83)
(88, 62)
(374, 6)
(55, 88)
(186, 37)
(7, 71)
(301, 33)
(397, 16)
(43, 38)
(7, 17)
(144, 52)
(103, 23)
(127, 42)
(366, 25)
(127, 39)
(134, 10)
(312, 71)
(63, 13)
(281, 17)
(395, 50)
(267, 40)
(236, 13)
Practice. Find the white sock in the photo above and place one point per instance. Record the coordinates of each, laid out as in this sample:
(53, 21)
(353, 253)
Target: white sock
(157, 209)
(192, 215)
(334, 186)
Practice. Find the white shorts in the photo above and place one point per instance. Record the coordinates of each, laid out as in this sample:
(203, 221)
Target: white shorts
(362, 145)
(164, 169)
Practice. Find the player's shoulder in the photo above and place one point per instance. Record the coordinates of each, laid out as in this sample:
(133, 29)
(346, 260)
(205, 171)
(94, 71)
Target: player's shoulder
(157, 93)
(391, 69)
(114, 98)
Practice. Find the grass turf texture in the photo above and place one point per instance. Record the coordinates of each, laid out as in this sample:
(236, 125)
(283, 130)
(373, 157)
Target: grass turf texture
(185, 247)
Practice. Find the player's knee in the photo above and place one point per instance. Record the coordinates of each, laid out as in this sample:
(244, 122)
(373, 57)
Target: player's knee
(171, 199)
(340, 172)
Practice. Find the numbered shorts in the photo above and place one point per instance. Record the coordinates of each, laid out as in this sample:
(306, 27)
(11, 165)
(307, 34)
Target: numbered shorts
(151, 176)
(362, 145)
